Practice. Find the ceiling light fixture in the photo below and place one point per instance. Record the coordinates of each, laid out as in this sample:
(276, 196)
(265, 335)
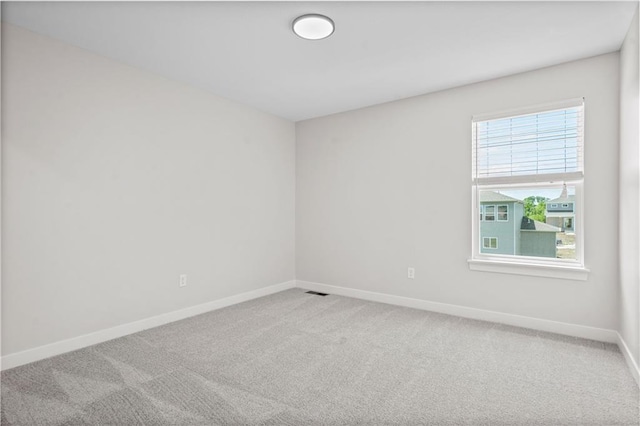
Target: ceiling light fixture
(313, 27)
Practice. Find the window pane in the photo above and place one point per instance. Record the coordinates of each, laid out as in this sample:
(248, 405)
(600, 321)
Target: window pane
(490, 242)
(502, 213)
(533, 144)
(489, 213)
(544, 221)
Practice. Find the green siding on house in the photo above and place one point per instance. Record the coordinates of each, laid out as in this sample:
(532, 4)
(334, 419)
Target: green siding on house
(517, 220)
(504, 231)
(536, 243)
(517, 235)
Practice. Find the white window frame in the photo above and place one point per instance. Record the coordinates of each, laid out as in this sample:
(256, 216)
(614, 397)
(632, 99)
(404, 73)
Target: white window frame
(494, 215)
(498, 212)
(489, 247)
(529, 265)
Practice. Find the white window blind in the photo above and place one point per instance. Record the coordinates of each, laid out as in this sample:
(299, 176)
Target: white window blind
(534, 147)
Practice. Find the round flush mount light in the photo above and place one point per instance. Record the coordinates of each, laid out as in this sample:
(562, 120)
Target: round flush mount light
(313, 26)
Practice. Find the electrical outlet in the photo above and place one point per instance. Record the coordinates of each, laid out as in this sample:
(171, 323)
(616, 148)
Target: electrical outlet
(411, 273)
(183, 280)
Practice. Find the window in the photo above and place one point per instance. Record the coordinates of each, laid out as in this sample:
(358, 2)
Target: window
(525, 161)
(489, 213)
(503, 213)
(490, 243)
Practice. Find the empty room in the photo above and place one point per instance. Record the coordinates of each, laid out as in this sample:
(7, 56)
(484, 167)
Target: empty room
(320, 213)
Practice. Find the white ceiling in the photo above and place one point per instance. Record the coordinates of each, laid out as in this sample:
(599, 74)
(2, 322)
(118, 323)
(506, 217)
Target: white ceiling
(380, 51)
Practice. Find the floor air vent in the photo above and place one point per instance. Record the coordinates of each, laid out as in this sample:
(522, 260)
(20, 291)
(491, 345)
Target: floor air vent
(317, 294)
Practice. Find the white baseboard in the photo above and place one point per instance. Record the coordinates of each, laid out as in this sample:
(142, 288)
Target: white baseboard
(57, 348)
(593, 333)
(575, 330)
(633, 366)
(68, 345)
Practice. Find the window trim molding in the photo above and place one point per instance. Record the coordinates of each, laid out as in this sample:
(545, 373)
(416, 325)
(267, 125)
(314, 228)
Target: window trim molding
(524, 265)
(514, 112)
(566, 272)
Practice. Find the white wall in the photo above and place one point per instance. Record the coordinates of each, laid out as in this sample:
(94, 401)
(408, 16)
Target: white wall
(386, 187)
(630, 193)
(115, 181)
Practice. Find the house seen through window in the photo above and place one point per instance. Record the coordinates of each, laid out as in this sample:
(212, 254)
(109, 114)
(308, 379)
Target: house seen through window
(527, 180)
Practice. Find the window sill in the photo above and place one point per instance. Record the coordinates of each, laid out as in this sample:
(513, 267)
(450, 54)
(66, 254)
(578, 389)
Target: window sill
(537, 270)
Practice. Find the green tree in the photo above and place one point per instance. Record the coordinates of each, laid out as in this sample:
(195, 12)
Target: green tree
(535, 208)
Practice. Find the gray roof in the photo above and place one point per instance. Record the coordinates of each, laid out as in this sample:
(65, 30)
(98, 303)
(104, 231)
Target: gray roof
(496, 197)
(533, 225)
